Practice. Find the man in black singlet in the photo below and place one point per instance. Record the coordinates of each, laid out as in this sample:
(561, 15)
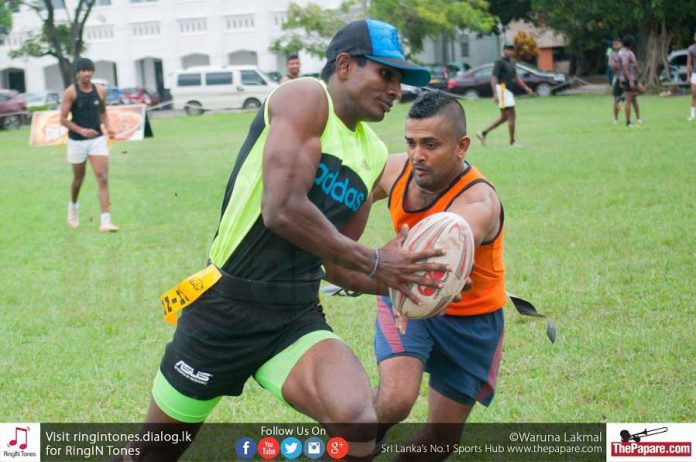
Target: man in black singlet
(85, 101)
(503, 78)
(293, 63)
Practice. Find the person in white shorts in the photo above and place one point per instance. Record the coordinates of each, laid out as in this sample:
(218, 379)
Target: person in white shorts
(85, 102)
(691, 75)
(503, 78)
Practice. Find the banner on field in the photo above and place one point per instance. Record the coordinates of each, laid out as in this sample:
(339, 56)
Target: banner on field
(128, 122)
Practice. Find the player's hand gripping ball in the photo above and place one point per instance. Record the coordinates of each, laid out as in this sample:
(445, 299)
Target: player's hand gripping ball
(451, 233)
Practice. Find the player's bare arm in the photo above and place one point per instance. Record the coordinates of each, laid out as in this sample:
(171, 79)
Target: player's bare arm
(521, 83)
(360, 282)
(69, 97)
(689, 67)
(494, 84)
(394, 166)
(354, 280)
(626, 72)
(480, 207)
(293, 150)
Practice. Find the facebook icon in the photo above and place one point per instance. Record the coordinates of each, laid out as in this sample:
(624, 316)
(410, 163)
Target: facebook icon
(246, 447)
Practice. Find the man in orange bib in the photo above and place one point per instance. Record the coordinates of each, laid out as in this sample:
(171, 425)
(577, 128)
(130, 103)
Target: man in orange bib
(460, 350)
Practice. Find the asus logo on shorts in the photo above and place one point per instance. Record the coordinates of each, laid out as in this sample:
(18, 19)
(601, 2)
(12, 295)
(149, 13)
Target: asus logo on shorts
(339, 189)
(191, 374)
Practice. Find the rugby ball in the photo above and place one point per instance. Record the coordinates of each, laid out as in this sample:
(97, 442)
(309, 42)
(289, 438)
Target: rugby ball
(451, 233)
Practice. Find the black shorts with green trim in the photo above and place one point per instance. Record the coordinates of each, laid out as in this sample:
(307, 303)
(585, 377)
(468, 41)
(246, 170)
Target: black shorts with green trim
(231, 330)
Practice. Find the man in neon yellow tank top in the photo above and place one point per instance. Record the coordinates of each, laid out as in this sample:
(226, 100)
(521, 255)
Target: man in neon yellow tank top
(296, 200)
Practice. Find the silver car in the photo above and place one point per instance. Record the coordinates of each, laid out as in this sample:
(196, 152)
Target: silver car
(41, 100)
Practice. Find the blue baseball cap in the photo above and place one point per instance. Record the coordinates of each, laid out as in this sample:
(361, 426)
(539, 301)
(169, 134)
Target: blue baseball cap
(379, 42)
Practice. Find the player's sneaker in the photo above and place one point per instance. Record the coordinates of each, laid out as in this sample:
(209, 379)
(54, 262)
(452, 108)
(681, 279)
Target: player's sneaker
(108, 228)
(639, 122)
(691, 119)
(516, 144)
(482, 138)
(73, 216)
(616, 121)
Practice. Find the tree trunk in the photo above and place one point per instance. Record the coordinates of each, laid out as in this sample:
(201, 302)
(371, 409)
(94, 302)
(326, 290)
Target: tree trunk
(656, 50)
(66, 71)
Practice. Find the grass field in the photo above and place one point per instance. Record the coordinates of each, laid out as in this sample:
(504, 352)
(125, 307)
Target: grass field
(600, 235)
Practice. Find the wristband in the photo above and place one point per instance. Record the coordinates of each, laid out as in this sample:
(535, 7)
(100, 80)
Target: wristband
(374, 270)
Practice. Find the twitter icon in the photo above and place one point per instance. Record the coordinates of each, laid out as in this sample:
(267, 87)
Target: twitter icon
(291, 448)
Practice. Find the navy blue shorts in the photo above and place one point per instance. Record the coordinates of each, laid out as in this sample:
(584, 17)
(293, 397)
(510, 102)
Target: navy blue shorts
(461, 353)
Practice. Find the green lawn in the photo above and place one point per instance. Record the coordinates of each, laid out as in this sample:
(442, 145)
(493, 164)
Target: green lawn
(600, 235)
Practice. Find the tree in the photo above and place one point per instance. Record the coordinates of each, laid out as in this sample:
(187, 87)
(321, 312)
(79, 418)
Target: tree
(525, 46)
(510, 10)
(62, 40)
(6, 9)
(310, 28)
(658, 23)
(589, 24)
(418, 19)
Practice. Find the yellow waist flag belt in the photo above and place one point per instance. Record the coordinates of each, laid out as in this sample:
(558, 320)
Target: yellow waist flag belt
(187, 292)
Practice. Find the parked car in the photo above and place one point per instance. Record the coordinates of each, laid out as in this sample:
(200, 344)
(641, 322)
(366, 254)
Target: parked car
(677, 66)
(409, 92)
(198, 89)
(41, 100)
(114, 95)
(438, 77)
(439, 74)
(275, 76)
(13, 110)
(455, 68)
(140, 95)
(477, 82)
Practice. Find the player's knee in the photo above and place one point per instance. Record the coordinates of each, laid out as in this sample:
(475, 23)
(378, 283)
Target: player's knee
(103, 178)
(395, 407)
(353, 411)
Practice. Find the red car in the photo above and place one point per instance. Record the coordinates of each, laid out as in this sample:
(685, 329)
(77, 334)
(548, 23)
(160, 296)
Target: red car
(13, 110)
(140, 95)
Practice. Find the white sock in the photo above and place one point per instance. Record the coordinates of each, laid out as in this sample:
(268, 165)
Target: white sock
(105, 218)
(693, 111)
(73, 205)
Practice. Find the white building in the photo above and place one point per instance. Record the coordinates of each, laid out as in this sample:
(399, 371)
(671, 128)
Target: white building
(467, 48)
(141, 42)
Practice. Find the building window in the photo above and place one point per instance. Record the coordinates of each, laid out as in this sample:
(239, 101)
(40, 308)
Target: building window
(57, 5)
(15, 40)
(99, 33)
(279, 19)
(142, 1)
(145, 29)
(193, 25)
(464, 45)
(240, 22)
(103, 3)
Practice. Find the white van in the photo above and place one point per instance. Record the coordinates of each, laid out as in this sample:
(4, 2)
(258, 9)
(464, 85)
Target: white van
(198, 89)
